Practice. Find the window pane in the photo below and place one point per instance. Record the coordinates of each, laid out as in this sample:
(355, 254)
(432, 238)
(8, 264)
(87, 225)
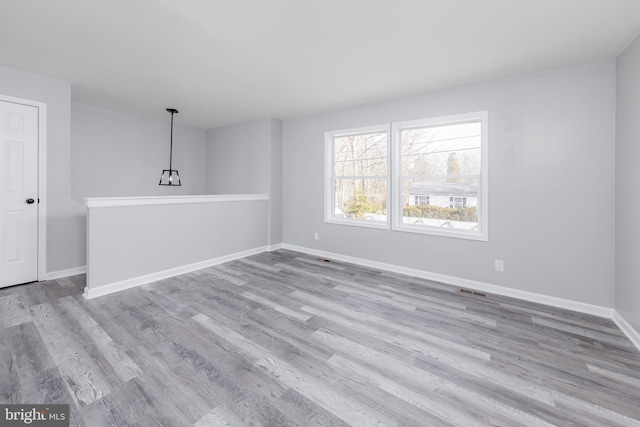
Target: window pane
(364, 199)
(361, 155)
(418, 199)
(441, 150)
(452, 203)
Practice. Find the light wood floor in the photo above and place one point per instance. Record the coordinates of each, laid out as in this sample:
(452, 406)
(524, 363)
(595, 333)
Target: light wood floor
(283, 339)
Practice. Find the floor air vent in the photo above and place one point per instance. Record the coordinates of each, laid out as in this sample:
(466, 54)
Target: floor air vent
(470, 292)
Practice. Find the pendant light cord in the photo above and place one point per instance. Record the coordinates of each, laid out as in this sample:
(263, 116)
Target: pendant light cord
(171, 147)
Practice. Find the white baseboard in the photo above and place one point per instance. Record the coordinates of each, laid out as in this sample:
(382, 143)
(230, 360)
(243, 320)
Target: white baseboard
(110, 288)
(275, 247)
(628, 330)
(594, 310)
(53, 275)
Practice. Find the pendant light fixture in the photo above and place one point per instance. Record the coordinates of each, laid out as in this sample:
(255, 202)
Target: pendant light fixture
(170, 176)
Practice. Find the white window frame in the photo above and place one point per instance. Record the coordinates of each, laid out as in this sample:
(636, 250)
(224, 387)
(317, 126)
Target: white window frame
(483, 197)
(329, 190)
(394, 178)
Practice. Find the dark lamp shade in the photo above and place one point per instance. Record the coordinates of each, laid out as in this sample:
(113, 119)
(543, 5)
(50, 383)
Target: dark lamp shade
(170, 177)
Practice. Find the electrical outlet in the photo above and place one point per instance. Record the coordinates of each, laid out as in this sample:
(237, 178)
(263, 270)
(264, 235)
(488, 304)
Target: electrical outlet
(315, 236)
(499, 265)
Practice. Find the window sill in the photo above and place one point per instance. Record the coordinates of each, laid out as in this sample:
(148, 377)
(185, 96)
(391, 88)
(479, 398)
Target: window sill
(358, 223)
(434, 231)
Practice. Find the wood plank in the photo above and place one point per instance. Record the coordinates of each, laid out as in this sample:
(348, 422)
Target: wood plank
(217, 272)
(12, 311)
(219, 416)
(260, 265)
(277, 307)
(85, 383)
(124, 367)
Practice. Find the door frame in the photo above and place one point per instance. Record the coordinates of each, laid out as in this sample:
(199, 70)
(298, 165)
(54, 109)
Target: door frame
(42, 179)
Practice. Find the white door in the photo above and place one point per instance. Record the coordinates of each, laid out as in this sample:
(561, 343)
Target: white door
(18, 193)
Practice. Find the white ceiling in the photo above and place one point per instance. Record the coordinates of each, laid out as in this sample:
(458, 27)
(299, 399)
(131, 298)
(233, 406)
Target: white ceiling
(221, 62)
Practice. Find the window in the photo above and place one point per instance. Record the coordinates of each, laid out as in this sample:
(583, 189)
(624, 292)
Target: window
(357, 176)
(444, 158)
(421, 200)
(439, 183)
(457, 202)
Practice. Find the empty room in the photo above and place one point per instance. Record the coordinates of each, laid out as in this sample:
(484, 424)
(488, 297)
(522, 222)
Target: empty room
(319, 213)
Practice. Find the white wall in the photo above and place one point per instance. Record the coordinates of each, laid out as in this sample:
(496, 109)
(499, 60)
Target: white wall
(65, 217)
(551, 139)
(238, 158)
(628, 184)
(117, 155)
(130, 245)
(246, 158)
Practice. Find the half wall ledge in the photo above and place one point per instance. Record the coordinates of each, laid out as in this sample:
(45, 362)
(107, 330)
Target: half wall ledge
(105, 202)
